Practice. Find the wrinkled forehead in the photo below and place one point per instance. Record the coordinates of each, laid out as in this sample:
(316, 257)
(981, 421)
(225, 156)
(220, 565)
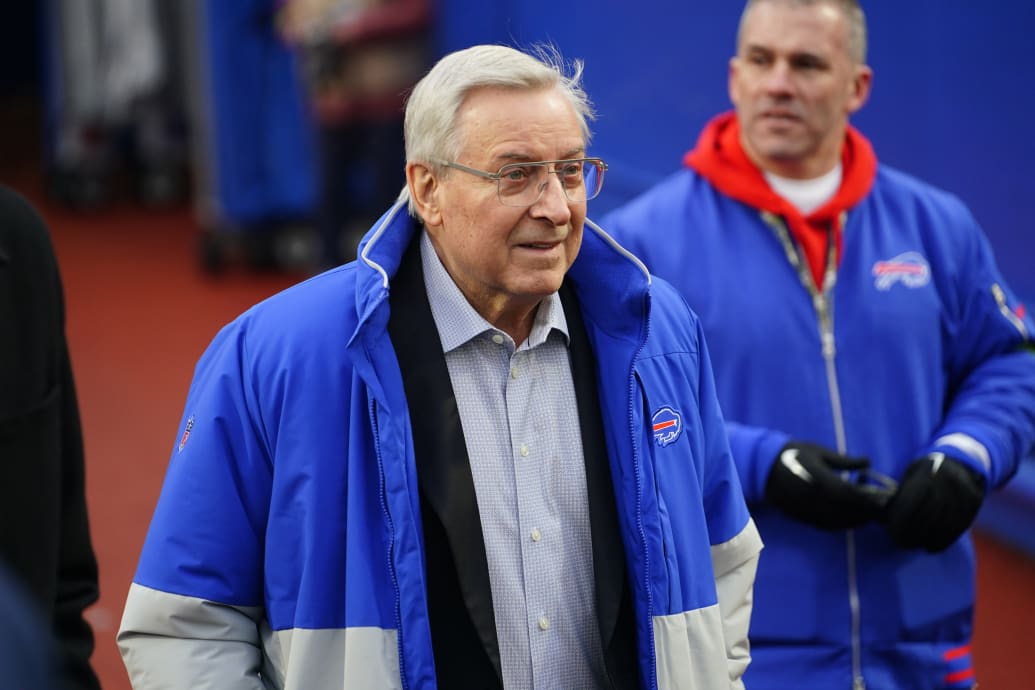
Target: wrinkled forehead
(522, 124)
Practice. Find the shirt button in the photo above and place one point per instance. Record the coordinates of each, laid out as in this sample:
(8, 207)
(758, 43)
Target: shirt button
(524, 450)
(497, 338)
(544, 623)
(536, 535)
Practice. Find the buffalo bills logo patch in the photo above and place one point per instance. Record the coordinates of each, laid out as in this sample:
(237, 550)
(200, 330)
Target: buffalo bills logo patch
(909, 268)
(667, 425)
(186, 434)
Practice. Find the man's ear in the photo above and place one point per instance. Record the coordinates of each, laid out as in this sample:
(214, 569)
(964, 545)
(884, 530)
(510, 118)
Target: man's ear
(860, 87)
(424, 191)
(731, 79)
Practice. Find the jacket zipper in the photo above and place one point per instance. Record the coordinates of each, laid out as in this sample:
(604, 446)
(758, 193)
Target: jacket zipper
(823, 304)
(634, 432)
(391, 545)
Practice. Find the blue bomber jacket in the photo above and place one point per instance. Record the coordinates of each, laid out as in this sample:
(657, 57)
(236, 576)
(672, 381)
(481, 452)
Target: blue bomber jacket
(286, 549)
(916, 345)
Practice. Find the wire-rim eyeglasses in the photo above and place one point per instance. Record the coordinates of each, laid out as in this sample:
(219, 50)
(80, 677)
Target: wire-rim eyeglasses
(520, 185)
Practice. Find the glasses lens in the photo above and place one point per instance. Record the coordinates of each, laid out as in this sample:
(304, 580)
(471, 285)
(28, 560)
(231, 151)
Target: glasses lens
(593, 178)
(522, 184)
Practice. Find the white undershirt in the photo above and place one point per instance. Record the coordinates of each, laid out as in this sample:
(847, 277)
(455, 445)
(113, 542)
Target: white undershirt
(807, 195)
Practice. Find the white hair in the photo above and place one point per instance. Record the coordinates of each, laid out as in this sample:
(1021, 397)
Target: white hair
(431, 111)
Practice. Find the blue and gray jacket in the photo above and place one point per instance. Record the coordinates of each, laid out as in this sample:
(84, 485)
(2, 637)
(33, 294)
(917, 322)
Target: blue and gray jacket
(286, 549)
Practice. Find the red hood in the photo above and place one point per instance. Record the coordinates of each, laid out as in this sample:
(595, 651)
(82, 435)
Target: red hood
(720, 159)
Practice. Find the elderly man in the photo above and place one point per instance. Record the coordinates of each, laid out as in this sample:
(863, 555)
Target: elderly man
(487, 454)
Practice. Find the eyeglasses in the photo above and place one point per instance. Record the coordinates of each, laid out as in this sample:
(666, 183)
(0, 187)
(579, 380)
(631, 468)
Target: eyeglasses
(522, 184)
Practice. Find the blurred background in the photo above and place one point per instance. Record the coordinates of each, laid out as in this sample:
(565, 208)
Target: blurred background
(192, 157)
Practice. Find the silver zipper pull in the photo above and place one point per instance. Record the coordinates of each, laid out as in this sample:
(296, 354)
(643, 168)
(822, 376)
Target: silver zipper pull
(829, 348)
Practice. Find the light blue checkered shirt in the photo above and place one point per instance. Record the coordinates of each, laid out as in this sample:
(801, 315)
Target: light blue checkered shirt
(520, 420)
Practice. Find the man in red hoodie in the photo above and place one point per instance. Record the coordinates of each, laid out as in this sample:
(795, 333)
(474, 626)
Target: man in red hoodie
(875, 371)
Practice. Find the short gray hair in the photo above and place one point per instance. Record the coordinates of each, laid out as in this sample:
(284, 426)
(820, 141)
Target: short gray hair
(850, 9)
(432, 109)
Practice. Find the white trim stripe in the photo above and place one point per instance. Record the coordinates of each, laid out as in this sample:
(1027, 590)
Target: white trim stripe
(619, 248)
(733, 553)
(400, 203)
(691, 651)
(969, 445)
(175, 641)
(337, 659)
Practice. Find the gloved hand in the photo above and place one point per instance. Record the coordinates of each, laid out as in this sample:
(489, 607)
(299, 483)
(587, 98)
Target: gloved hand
(811, 483)
(937, 500)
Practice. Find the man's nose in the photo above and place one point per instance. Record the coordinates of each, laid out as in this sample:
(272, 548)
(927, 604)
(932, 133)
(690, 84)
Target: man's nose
(778, 78)
(553, 203)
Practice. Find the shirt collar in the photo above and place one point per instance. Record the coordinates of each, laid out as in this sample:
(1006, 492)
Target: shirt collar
(458, 322)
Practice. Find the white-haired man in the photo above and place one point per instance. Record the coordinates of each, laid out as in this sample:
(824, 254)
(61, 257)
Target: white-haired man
(487, 454)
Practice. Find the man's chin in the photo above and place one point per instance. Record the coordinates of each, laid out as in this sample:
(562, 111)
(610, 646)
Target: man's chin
(535, 288)
(779, 149)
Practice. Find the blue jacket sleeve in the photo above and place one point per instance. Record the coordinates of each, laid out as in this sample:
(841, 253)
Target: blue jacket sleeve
(206, 536)
(754, 450)
(990, 419)
(723, 493)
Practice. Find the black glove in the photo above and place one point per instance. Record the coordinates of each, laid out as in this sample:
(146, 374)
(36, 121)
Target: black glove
(936, 501)
(813, 484)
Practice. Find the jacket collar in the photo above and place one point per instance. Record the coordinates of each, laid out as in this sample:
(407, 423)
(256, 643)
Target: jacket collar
(610, 282)
(720, 158)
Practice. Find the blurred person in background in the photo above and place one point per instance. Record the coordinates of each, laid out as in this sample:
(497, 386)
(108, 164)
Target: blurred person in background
(44, 531)
(115, 106)
(486, 454)
(875, 370)
(358, 60)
